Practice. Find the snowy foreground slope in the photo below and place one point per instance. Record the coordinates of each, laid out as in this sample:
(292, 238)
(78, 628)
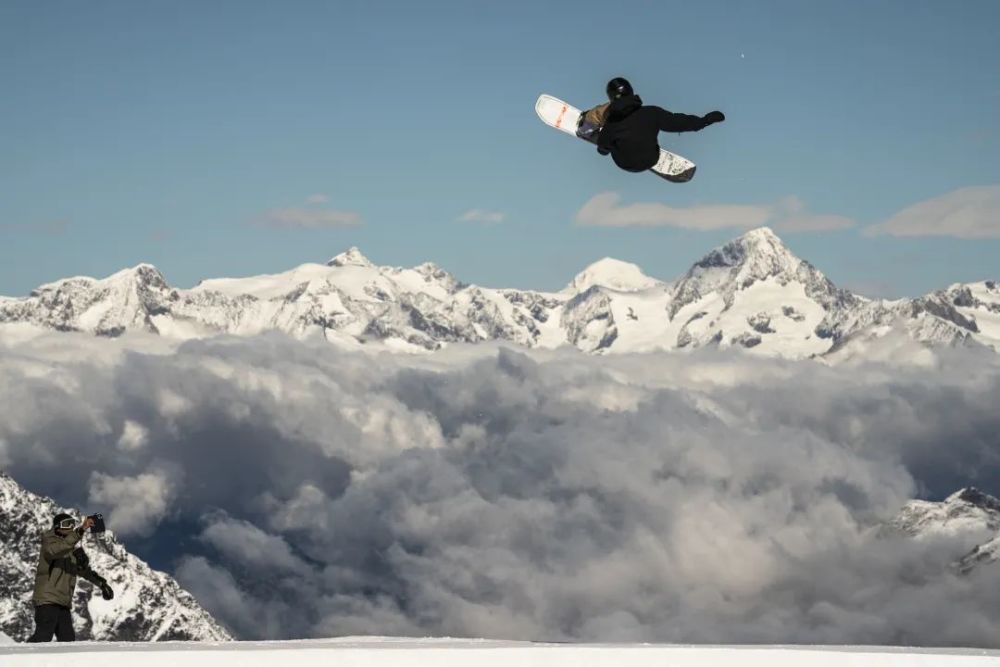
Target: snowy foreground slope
(148, 605)
(380, 652)
(751, 293)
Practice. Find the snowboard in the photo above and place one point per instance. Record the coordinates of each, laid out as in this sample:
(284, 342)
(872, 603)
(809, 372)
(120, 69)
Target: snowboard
(564, 116)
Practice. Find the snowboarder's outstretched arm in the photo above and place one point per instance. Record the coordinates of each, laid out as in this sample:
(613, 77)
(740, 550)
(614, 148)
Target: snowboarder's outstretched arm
(682, 122)
(604, 142)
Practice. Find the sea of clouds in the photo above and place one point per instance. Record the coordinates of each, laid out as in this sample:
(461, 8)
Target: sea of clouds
(299, 490)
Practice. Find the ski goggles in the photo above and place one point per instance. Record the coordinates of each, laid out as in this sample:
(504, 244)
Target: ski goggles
(67, 524)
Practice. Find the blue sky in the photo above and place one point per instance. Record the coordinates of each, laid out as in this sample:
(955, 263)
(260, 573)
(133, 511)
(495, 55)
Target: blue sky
(181, 133)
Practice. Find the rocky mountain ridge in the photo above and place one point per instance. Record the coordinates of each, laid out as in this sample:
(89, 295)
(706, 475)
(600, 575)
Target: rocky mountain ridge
(751, 293)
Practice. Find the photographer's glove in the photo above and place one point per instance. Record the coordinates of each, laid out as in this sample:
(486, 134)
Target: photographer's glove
(81, 558)
(106, 591)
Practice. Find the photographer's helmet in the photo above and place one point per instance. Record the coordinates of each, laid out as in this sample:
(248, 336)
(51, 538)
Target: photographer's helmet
(63, 521)
(618, 87)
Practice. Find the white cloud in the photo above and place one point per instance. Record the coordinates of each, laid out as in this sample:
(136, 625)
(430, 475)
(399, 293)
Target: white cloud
(242, 542)
(134, 436)
(483, 216)
(317, 199)
(301, 512)
(497, 492)
(216, 589)
(788, 214)
(307, 218)
(968, 213)
(137, 503)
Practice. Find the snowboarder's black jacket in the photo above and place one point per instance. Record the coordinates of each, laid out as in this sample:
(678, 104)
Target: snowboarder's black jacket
(630, 132)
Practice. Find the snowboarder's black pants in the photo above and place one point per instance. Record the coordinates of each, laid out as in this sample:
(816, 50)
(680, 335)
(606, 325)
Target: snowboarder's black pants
(52, 619)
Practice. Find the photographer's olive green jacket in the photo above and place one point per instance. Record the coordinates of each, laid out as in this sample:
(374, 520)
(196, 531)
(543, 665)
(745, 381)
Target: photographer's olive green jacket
(55, 578)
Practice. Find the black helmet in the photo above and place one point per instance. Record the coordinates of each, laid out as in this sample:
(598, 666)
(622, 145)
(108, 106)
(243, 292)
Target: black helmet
(58, 519)
(619, 87)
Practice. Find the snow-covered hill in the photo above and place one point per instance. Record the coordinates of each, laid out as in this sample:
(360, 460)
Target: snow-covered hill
(751, 293)
(391, 652)
(148, 605)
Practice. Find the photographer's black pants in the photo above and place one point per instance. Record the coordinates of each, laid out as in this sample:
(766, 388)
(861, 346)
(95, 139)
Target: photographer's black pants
(52, 619)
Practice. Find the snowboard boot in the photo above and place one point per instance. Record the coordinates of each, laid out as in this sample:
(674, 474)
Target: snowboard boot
(589, 125)
(587, 130)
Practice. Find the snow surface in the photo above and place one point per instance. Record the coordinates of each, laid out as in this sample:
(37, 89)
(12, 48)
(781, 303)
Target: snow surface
(388, 652)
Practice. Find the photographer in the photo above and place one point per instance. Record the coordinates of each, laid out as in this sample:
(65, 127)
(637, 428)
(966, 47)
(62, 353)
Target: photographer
(59, 564)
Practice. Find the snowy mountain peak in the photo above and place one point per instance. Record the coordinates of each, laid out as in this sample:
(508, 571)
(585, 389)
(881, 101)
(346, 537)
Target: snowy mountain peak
(434, 273)
(350, 257)
(145, 275)
(748, 259)
(139, 275)
(968, 510)
(761, 234)
(968, 517)
(973, 496)
(141, 269)
(759, 252)
(614, 274)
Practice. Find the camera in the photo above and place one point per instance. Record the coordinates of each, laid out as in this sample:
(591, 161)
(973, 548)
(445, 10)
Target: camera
(98, 520)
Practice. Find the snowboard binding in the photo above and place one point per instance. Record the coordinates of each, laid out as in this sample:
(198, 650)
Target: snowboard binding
(586, 130)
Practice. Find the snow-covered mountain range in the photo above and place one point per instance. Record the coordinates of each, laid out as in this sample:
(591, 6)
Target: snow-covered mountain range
(751, 293)
(148, 605)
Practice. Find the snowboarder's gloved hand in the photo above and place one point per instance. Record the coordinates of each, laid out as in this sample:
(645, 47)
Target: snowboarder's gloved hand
(713, 117)
(106, 591)
(602, 150)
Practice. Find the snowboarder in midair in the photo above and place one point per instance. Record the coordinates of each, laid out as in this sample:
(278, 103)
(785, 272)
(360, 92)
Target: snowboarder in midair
(628, 130)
